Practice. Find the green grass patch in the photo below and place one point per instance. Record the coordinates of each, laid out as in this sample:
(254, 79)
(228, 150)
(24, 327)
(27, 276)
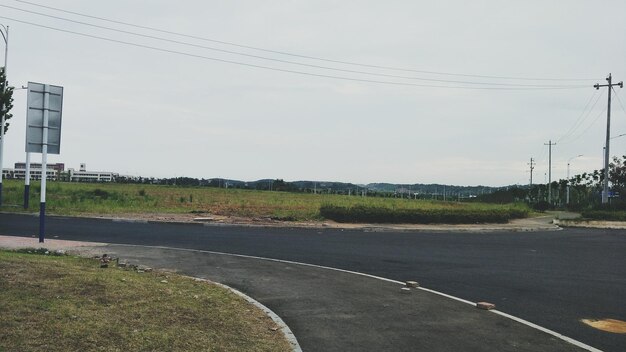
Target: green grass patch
(607, 215)
(111, 198)
(461, 215)
(62, 303)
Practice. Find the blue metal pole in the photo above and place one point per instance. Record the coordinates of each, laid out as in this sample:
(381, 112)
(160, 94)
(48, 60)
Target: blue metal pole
(42, 221)
(26, 196)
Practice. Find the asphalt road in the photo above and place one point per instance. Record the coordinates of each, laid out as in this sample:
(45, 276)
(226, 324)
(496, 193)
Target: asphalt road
(553, 279)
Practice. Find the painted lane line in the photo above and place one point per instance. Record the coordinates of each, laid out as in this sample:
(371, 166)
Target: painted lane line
(519, 320)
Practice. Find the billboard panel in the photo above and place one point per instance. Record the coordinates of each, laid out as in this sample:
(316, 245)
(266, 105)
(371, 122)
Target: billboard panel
(43, 99)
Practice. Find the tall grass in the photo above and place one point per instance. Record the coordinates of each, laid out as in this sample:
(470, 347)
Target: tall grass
(90, 198)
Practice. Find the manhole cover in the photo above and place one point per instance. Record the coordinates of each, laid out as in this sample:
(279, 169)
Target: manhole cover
(609, 325)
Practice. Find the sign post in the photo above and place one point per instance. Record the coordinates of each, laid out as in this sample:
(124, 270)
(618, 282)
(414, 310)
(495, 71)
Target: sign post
(43, 133)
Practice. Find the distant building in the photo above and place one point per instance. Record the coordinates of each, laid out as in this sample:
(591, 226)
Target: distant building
(53, 171)
(56, 172)
(82, 175)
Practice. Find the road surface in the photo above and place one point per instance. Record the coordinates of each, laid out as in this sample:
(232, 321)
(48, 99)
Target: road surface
(553, 279)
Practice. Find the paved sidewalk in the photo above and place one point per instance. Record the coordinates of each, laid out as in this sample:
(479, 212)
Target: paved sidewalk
(331, 310)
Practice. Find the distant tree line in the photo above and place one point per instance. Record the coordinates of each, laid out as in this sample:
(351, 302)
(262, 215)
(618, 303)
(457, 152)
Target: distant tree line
(585, 191)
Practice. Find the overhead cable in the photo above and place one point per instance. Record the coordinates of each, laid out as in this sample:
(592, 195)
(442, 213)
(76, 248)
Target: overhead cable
(298, 55)
(288, 70)
(287, 61)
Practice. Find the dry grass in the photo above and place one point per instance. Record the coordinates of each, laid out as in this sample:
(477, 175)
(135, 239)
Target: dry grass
(70, 304)
(85, 198)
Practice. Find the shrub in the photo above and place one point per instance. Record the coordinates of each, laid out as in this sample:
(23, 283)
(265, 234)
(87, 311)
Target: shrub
(542, 206)
(607, 215)
(369, 214)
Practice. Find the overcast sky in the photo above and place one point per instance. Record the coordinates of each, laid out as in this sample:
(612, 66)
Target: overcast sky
(141, 111)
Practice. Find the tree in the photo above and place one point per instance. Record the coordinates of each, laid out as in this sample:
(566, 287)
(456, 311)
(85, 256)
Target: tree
(6, 99)
(617, 176)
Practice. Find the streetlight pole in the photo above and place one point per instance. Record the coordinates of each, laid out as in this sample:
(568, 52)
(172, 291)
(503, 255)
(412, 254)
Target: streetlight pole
(4, 30)
(568, 181)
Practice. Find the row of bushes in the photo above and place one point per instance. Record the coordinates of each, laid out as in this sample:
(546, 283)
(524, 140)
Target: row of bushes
(365, 214)
(608, 215)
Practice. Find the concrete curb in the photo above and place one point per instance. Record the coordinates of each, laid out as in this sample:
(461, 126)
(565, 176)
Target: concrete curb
(493, 311)
(291, 337)
(284, 328)
(467, 228)
(593, 224)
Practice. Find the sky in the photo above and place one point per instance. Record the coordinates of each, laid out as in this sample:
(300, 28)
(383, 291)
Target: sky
(351, 91)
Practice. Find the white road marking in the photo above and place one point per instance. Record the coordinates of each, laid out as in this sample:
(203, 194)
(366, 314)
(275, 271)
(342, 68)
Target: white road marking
(519, 320)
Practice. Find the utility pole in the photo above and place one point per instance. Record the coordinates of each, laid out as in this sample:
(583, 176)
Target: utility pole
(549, 144)
(532, 167)
(568, 180)
(4, 30)
(605, 186)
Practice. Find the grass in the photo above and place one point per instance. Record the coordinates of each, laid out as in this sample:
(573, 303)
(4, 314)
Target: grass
(606, 215)
(364, 214)
(64, 303)
(89, 198)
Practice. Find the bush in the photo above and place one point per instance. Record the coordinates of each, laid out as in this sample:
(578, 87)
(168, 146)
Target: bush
(542, 206)
(608, 215)
(368, 214)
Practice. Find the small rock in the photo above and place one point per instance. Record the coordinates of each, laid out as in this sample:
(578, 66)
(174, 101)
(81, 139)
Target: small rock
(274, 328)
(123, 279)
(140, 271)
(196, 296)
(412, 284)
(405, 290)
(163, 281)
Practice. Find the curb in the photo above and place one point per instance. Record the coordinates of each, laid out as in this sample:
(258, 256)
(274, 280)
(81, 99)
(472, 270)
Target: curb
(458, 299)
(363, 228)
(284, 328)
(291, 338)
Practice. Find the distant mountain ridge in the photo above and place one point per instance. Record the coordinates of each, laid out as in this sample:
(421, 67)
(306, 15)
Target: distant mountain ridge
(415, 189)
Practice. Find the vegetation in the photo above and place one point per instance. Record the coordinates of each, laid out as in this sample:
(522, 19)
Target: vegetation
(90, 198)
(6, 98)
(69, 304)
(607, 215)
(425, 215)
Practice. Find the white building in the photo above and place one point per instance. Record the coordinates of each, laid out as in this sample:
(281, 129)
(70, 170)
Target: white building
(56, 172)
(35, 173)
(82, 175)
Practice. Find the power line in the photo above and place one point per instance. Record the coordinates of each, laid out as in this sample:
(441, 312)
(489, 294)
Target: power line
(299, 55)
(586, 129)
(287, 61)
(583, 116)
(619, 100)
(281, 69)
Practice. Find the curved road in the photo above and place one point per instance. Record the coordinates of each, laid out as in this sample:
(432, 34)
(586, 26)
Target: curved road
(553, 279)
